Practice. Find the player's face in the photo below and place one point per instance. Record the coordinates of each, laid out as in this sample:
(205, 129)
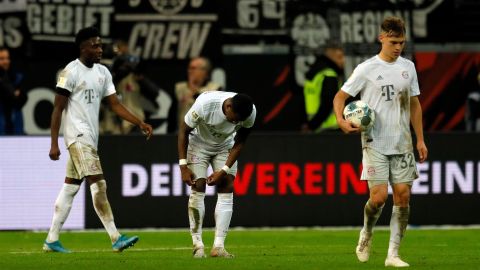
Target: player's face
(92, 50)
(231, 116)
(392, 46)
(4, 60)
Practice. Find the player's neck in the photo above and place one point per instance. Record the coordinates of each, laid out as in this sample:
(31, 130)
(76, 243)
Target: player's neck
(85, 62)
(386, 58)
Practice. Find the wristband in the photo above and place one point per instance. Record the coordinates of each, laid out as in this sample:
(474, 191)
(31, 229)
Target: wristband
(182, 162)
(225, 168)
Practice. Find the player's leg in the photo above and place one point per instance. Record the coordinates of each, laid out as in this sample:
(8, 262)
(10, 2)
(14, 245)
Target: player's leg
(374, 206)
(98, 190)
(198, 162)
(404, 171)
(398, 224)
(375, 170)
(87, 164)
(63, 203)
(196, 214)
(224, 206)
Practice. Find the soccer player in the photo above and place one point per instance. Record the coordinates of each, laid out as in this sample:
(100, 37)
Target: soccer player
(214, 132)
(388, 83)
(81, 86)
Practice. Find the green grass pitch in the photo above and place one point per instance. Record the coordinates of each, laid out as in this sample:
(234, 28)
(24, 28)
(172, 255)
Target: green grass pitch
(254, 249)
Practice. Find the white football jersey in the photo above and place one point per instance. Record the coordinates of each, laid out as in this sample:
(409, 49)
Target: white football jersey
(211, 128)
(386, 88)
(87, 86)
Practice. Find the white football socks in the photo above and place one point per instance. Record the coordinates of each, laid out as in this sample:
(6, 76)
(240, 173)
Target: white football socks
(196, 213)
(103, 209)
(223, 215)
(63, 204)
(370, 216)
(398, 225)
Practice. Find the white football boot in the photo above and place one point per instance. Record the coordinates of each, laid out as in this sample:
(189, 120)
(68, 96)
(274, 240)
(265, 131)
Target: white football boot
(199, 252)
(363, 247)
(395, 261)
(220, 252)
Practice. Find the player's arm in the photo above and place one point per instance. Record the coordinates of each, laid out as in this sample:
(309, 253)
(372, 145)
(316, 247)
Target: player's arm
(121, 111)
(182, 145)
(61, 100)
(240, 140)
(338, 106)
(416, 120)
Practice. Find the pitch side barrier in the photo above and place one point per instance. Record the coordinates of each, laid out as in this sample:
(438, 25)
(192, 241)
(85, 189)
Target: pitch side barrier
(287, 180)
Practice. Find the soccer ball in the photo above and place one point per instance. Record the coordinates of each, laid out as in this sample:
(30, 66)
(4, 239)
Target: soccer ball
(358, 113)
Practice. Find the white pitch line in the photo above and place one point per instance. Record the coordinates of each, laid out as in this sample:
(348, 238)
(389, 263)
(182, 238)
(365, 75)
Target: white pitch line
(106, 250)
(159, 249)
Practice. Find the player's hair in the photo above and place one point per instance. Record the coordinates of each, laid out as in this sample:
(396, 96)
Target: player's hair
(393, 26)
(242, 105)
(86, 34)
(3, 48)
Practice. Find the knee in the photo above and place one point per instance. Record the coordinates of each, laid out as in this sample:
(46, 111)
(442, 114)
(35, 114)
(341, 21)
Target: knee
(378, 200)
(200, 185)
(99, 187)
(402, 199)
(226, 186)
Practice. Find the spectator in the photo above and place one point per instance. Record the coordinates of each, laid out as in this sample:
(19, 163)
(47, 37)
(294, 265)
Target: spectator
(125, 81)
(12, 98)
(321, 84)
(472, 115)
(199, 70)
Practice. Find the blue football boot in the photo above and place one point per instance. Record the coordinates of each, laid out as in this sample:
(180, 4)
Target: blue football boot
(124, 242)
(55, 247)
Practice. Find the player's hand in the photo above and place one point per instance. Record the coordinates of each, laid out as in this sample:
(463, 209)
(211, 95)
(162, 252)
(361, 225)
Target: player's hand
(146, 129)
(187, 175)
(422, 151)
(54, 153)
(348, 127)
(216, 177)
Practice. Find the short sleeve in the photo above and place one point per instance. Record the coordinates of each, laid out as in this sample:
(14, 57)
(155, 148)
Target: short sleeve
(248, 123)
(414, 88)
(108, 84)
(355, 83)
(194, 115)
(66, 80)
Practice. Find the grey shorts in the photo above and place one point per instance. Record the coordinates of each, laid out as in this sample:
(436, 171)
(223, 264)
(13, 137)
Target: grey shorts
(83, 161)
(394, 169)
(199, 159)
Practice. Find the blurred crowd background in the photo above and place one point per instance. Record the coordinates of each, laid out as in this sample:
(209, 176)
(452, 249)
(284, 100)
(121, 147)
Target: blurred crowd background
(162, 54)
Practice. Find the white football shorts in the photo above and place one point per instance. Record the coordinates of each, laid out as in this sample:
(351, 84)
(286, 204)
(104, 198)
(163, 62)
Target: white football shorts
(199, 159)
(382, 169)
(83, 161)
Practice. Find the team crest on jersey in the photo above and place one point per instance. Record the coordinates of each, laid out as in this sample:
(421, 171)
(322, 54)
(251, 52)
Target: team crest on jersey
(195, 115)
(62, 78)
(405, 74)
(101, 80)
(93, 167)
(371, 171)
